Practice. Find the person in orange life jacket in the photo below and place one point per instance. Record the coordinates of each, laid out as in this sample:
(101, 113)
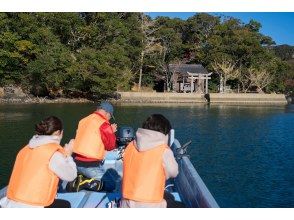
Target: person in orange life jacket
(148, 163)
(38, 167)
(95, 135)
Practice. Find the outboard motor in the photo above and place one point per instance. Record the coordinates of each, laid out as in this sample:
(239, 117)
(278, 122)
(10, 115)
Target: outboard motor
(124, 136)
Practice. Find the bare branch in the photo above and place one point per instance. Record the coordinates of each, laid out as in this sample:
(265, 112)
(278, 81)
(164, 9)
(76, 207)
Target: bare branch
(226, 70)
(259, 78)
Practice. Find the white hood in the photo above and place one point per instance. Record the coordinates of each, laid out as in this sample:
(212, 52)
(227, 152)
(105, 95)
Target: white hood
(38, 140)
(148, 139)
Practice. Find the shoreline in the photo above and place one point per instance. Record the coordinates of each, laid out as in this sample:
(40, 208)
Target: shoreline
(152, 98)
(196, 98)
(37, 100)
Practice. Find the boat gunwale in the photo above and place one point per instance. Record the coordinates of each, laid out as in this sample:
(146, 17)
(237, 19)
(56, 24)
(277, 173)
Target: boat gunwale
(190, 170)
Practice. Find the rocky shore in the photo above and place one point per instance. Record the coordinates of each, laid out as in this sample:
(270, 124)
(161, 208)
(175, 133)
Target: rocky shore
(37, 100)
(15, 95)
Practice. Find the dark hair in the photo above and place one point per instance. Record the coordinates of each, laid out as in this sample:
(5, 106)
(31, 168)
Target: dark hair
(157, 122)
(48, 126)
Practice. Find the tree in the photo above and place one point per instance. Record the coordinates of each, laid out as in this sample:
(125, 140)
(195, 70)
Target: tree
(95, 54)
(226, 70)
(285, 52)
(149, 42)
(15, 54)
(48, 71)
(170, 37)
(259, 78)
(197, 30)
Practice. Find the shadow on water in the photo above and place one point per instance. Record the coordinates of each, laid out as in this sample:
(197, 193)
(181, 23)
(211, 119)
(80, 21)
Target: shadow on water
(244, 154)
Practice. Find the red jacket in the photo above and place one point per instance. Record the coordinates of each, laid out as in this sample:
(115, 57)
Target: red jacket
(108, 138)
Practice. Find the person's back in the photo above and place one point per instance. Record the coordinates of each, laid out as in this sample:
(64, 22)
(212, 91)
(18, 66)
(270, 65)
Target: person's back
(38, 167)
(95, 135)
(148, 162)
(88, 142)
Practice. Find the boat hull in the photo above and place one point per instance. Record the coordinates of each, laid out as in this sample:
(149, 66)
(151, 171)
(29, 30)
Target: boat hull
(191, 187)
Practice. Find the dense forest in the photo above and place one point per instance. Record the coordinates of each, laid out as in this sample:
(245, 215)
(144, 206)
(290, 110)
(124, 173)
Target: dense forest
(93, 55)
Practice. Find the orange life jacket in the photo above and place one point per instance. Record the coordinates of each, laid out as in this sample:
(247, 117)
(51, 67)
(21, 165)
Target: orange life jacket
(31, 181)
(143, 174)
(88, 140)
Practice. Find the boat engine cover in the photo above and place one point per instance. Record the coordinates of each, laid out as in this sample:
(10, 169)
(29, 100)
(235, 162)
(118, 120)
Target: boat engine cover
(125, 135)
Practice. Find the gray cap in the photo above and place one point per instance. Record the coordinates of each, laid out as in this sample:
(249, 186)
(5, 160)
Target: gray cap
(106, 106)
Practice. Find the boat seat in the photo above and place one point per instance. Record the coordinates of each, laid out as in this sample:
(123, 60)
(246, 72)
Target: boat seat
(99, 200)
(177, 196)
(75, 199)
(111, 155)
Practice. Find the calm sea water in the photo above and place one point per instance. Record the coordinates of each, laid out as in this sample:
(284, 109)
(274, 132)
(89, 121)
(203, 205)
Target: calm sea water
(245, 155)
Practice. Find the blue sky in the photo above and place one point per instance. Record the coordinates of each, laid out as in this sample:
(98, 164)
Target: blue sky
(278, 25)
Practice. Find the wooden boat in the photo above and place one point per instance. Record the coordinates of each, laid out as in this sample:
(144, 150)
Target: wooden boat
(187, 187)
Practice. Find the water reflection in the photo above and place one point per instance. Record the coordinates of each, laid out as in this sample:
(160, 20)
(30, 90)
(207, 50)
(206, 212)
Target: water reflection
(289, 108)
(14, 116)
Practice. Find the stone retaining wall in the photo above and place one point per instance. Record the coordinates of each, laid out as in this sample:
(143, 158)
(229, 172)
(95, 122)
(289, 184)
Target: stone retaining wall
(160, 97)
(248, 98)
(230, 98)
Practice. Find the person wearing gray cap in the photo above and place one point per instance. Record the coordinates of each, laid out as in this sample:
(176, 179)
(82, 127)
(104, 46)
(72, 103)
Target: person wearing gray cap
(94, 136)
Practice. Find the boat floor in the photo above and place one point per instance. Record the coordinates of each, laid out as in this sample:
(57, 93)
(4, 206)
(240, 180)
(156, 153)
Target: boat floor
(90, 199)
(87, 199)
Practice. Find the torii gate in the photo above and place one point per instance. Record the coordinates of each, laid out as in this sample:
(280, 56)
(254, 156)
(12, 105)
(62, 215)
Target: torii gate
(199, 76)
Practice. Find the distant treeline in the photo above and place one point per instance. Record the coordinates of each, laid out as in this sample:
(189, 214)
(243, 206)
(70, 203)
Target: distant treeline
(95, 54)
